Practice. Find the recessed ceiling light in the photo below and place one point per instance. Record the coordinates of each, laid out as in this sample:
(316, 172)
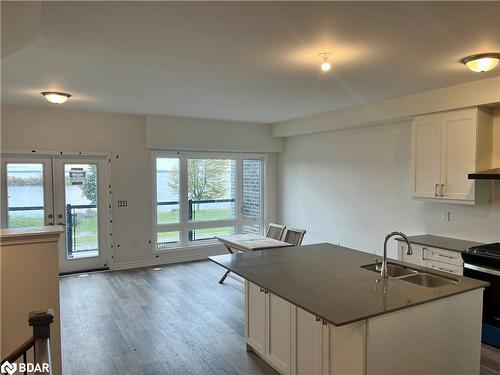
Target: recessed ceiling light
(56, 97)
(325, 65)
(482, 62)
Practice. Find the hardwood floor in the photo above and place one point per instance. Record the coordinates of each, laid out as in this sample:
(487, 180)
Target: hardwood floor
(175, 321)
(490, 360)
(178, 320)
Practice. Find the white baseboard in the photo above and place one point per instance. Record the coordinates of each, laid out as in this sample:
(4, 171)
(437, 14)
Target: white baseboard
(177, 256)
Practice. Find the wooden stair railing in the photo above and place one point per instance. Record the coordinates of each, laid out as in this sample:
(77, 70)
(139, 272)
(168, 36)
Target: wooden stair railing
(40, 342)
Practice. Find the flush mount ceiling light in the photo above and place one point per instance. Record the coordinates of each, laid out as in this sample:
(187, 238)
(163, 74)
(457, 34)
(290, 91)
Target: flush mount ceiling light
(325, 65)
(482, 62)
(56, 97)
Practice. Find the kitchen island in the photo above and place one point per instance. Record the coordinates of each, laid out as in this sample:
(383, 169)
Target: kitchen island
(321, 309)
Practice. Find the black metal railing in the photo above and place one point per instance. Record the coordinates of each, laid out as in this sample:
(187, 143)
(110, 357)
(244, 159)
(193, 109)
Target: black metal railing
(40, 342)
(71, 225)
(29, 208)
(192, 212)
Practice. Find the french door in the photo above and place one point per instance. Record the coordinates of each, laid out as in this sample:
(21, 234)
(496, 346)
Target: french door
(66, 191)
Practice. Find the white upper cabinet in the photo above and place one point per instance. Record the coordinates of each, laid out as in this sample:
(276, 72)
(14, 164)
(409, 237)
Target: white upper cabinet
(427, 155)
(446, 147)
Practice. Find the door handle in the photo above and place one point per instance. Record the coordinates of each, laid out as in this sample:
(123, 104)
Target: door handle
(436, 190)
(441, 191)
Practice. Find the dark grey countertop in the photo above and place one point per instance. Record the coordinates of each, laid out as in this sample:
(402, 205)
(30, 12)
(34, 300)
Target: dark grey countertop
(440, 242)
(327, 281)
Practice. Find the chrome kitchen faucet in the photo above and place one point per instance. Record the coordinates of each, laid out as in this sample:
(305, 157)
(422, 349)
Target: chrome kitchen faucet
(383, 268)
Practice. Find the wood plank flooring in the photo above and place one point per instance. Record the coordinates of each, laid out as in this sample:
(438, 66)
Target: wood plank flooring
(175, 321)
(178, 320)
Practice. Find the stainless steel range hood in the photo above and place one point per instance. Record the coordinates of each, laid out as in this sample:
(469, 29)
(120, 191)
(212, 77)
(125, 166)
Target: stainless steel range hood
(490, 174)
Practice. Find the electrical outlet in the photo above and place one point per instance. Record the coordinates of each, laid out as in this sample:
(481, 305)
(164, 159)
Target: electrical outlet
(122, 203)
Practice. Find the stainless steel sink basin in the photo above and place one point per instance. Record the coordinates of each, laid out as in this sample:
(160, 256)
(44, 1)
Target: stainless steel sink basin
(413, 276)
(429, 281)
(393, 269)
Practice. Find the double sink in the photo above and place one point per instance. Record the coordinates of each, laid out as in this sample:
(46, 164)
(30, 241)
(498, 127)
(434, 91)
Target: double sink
(425, 279)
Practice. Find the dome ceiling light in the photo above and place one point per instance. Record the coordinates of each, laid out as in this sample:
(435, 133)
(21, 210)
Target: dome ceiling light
(56, 97)
(325, 65)
(482, 62)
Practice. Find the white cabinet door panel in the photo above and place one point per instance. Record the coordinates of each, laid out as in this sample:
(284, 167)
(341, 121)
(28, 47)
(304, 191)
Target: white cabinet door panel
(426, 146)
(309, 344)
(458, 155)
(278, 343)
(256, 318)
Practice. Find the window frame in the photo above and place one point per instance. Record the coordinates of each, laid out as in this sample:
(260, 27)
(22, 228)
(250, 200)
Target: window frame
(184, 225)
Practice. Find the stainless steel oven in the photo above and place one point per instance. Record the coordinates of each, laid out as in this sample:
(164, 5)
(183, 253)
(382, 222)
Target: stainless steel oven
(483, 263)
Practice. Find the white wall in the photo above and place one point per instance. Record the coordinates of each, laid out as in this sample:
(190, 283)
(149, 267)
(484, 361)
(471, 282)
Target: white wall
(27, 128)
(165, 132)
(353, 187)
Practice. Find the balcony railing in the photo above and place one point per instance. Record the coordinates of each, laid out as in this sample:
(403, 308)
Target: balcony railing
(72, 236)
(192, 213)
(73, 246)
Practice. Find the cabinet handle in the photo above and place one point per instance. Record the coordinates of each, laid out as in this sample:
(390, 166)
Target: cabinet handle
(266, 291)
(436, 190)
(318, 319)
(441, 191)
(423, 253)
(261, 290)
(443, 269)
(445, 256)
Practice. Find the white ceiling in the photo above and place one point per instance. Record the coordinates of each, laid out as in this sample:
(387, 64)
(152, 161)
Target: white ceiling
(248, 61)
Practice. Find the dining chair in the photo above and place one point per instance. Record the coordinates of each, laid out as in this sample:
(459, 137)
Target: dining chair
(293, 236)
(275, 231)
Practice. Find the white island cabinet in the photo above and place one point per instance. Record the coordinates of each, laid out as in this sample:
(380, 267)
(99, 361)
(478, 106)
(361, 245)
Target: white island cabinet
(294, 341)
(268, 326)
(322, 309)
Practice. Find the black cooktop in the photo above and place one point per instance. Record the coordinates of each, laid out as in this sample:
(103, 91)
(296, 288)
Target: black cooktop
(486, 255)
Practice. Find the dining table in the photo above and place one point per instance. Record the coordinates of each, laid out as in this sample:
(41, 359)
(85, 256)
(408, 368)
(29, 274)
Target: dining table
(244, 242)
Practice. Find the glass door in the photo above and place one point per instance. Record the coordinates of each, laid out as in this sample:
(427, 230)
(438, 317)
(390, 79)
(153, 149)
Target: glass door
(27, 199)
(81, 207)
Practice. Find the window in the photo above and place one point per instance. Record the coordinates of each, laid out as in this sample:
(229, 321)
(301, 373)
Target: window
(199, 196)
(25, 195)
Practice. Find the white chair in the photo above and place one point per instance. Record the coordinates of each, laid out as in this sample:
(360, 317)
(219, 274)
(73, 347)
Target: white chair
(294, 236)
(275, 231)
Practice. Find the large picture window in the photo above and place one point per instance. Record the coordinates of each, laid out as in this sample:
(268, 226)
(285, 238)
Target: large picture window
(201, 195)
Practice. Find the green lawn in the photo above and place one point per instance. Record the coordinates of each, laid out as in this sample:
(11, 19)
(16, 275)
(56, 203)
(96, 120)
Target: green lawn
(172, 217)
(21, 221)
(85, 229)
